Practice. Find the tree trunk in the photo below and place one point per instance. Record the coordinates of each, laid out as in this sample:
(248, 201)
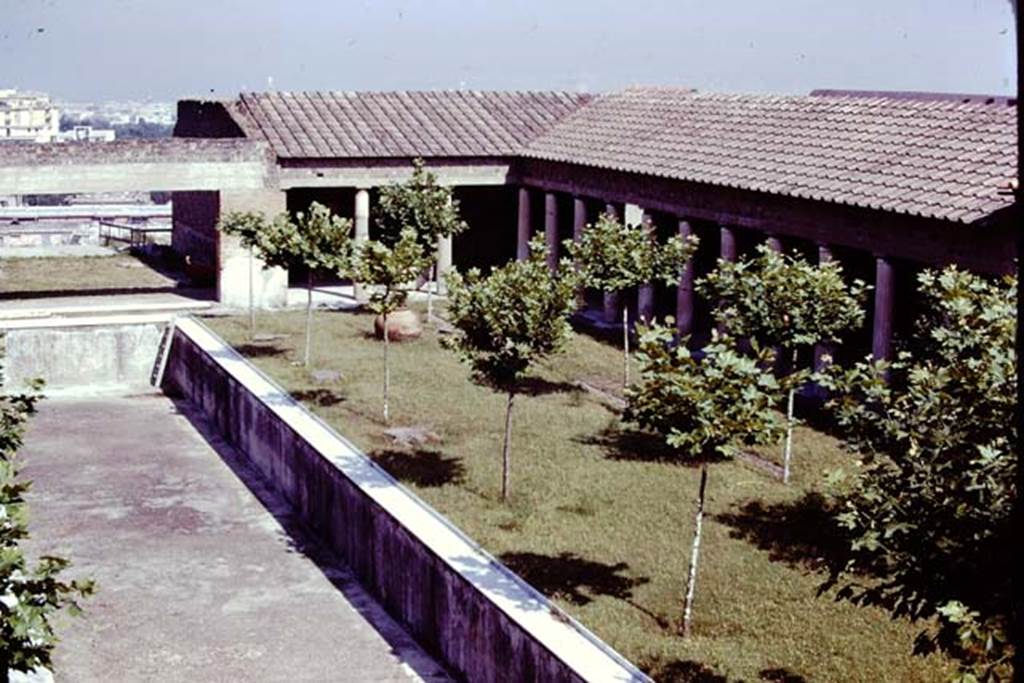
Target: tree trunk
(309, 315)
(252, 302)
(691, 579)
(506, 451)
(387, 366)
(787, 452)
(625, 345)
(430, 291)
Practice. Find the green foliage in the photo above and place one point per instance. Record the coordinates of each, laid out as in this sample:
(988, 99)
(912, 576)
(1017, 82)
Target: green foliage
(317, 238)
(929, 511)
(29, 596)
(248, 226)
(420, 204)
(612, 256)
(390, 269)
(715, 404)
(783, 300)
(508, 320)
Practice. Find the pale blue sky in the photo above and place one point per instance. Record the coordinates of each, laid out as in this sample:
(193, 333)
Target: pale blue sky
(117, 49)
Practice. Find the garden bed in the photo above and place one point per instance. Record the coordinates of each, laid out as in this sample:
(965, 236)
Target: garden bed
(598, 520)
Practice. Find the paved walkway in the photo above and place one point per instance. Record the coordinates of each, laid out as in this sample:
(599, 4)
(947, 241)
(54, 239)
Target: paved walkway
(198, 578)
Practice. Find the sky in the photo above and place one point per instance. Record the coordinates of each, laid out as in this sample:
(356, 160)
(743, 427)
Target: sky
(95, 50)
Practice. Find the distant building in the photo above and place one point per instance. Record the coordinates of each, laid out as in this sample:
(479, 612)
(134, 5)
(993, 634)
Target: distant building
(27, 117)
(86, 133)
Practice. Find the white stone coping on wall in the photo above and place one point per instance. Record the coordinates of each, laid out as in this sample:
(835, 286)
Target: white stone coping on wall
(86, 321)
(565, 638)
(93, 310)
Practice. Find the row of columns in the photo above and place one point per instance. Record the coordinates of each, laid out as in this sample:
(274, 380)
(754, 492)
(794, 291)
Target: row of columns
(685, 296)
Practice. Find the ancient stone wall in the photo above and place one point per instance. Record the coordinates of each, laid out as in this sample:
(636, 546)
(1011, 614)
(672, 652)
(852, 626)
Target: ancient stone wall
(465, 608)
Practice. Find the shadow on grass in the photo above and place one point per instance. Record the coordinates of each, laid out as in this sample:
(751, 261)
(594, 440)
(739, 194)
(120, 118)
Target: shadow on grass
(780, 675)
(566, 575)
(691, 671)
(681, 671)
(428, 469)
(324, 398)
(538, 386)
(250, 350)
(800, 533)
(635, 446)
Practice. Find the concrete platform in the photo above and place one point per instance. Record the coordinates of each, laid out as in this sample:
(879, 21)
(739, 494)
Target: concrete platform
(203, 575)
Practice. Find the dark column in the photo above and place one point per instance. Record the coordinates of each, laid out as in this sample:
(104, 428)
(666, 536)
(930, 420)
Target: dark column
(645, 292)
(579, 217)
(728, 246)
(579, 224)
(726, 252)
(523, 226)
(611, 299)
(822, 350)
(684, 293)
(881, 339)
(551, 228)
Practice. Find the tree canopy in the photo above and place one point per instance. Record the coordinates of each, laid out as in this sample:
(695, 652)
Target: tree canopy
(420, 204)
(511, 318)
(712, 403)
(316, 238)
(781, 299)
(506, 321)
(389, 269)
(928, 510)
(612, 256)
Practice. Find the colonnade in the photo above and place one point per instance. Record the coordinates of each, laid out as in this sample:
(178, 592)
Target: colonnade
(884, 280)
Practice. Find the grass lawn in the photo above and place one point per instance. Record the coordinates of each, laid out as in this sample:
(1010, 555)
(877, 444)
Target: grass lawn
(600, 522)
(79, 274)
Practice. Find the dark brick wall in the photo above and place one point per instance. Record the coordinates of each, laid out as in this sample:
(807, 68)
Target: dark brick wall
(194, 235)
(199, 119)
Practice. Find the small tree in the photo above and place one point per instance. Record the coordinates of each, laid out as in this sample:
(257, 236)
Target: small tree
(248, 226)
(714, 404)
(928, 512)
(507, 321)
(615, 257)
(425, 206)
(782, 300)
(318, 239)
(389, 269)
(29, 597)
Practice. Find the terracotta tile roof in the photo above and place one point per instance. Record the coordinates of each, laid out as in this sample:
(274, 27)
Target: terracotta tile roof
(400, 124)
(934, 157)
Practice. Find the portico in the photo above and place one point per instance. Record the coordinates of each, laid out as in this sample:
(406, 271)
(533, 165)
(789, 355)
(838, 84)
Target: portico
(767, 171)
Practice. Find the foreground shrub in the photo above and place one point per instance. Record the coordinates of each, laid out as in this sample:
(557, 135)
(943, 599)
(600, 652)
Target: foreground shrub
(29, 596)
(928, 512)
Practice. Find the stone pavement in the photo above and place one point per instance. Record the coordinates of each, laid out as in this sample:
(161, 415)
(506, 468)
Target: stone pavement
(202, 573)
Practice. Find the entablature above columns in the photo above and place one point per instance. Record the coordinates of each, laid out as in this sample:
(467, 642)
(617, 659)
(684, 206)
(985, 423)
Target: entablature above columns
(367, 173)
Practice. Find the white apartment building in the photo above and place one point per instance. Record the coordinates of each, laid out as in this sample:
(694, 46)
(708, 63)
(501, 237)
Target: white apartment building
(27, 117)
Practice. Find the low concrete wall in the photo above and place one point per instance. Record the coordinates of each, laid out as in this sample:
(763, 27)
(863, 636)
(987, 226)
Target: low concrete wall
(101, 354)
(463, 606)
